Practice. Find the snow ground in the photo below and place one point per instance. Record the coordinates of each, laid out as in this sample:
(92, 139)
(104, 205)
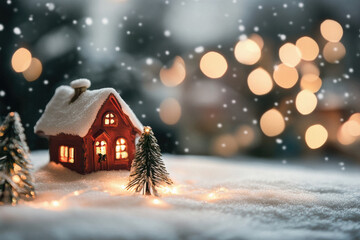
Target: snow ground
(212, 199)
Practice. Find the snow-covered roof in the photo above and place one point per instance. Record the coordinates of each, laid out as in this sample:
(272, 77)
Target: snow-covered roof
(77, 118)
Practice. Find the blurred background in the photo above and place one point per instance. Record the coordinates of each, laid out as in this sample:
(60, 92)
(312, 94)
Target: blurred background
(275, 79)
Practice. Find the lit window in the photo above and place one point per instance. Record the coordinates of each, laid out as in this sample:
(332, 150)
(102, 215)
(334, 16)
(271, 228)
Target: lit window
(121, 149)
(67, 154)
(100, 147)
(109, 119)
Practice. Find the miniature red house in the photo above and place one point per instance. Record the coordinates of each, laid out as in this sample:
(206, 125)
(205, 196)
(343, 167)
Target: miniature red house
(89, 130)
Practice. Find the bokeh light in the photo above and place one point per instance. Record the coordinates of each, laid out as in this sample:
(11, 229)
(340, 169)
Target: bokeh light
(247, 52)
(308, 47)
(21, 60)
(170, 111)
(315, 136)
(310, 82)
(289, 54)
(309, 68)
(331, 30)
(272, 123)
(245, 136)
(213, 65)
(334, 52)
(343, 135)
(34, 70)
(174, 75)
(225, 145)
(258, 39)
(285, 76)
(305, 102)
(260, 82)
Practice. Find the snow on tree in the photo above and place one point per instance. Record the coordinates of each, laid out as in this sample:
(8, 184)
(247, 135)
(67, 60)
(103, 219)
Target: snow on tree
(148, 169)
(15, 176)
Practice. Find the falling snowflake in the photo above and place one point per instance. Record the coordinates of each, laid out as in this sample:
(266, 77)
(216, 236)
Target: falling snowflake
(167, 33)
(50, 6)
(1, 27)
(88, 21)
(17, 30)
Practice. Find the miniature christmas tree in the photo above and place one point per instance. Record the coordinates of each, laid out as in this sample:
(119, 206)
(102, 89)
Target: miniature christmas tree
(15, 177)
(148, 170)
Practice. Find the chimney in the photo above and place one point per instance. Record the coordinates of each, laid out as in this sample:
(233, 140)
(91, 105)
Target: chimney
(80, 86)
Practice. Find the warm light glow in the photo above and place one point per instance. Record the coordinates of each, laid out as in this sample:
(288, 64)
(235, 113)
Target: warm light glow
(309, 68)
(310, 82)
(34, 71)
(247, 52)
(285, 76)
(315, 136)
(147, 129)
(100, 147)
(110, 119)
(66, 154)
(331, 30)
(170, 111)
(305, 102)
(156, 201)
(21, 60)
(76, 193)
(308, 47)
(257, 39)
(55, 203)
(245, 136)
(272, 123)
(213, 65)
(225, 145)
(289, 54)
(355, 117)
(334, 52)
(16, 179)
(344, 135)
(121, 149)
(174, 75)
(260, 82)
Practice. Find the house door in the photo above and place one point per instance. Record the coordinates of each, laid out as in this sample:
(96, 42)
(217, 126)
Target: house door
(100, 155)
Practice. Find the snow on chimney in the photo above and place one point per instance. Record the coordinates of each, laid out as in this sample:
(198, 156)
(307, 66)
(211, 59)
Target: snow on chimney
(80, 86)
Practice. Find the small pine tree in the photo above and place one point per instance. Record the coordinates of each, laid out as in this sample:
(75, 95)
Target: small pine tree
(148, 169)
(15, 176)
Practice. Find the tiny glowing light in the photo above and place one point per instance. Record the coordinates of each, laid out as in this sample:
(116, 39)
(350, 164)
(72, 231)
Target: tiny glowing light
(55, 203)
(76, 193)
(310, 82)
(174, 75)
(213, 65)
(247, 52)
(315, 136)
(308, 47)
(156, 201)
(34, 70)
(343, 135)
(290, 54)
(16, 179)
(257, 39)
(123, 187)
(170, 111)
(331, 30)
(305, 102)
(245, 136)
(285, 76)
(334, 52)
(211, 195)
(272, 123)
(225, 145)
(309, 68)
(260, 82)
(147, 129)
(21, 60)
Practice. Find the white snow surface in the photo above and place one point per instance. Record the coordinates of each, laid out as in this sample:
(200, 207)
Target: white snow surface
(77, 118)
(212, 198)
(82, 82)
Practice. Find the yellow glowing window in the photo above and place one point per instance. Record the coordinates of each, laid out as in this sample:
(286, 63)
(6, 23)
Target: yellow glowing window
(100, 147)
(121, 149)
(109, 119)
(67, 154)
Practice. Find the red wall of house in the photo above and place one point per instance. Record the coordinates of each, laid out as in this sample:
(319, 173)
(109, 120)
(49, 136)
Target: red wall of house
(110, 134)
(71, 141)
